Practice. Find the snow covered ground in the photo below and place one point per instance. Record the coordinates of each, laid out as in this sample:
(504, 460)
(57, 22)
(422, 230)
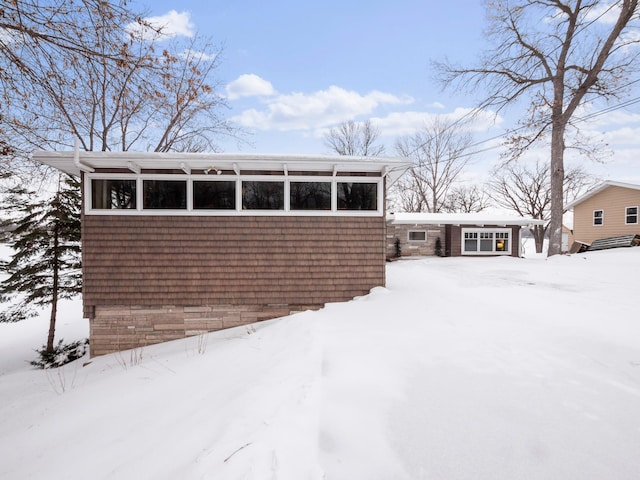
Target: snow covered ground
(462, 368)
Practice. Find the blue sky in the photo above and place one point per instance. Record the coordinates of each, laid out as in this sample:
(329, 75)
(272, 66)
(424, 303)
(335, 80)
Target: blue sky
(292, 70)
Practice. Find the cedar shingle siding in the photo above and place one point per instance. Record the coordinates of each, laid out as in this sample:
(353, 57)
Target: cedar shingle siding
(153, 278)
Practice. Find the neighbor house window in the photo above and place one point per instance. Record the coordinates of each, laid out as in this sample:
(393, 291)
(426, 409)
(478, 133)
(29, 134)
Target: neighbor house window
(258, 195)
(502, 241)
(487, 242)
(631, 216)
(470, 242)
(164, 194)
(310, 195)
(357, 196)
(598, 217)
(218, 195)
(417, 235)
(113, 194)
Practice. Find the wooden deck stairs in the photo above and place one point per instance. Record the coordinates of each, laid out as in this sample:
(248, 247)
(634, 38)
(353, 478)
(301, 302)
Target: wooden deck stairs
(615, 242)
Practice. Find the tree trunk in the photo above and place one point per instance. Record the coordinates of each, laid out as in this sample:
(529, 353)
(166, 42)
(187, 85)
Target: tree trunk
(538, 236)
(54, 286)
(557, 194)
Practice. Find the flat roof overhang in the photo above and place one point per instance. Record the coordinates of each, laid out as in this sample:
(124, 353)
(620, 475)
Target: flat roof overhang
(463, 219)
(79, 161)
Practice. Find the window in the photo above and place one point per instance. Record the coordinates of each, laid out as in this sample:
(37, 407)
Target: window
(113, 194)
(470, 241)
(502, 242)
(357, 196)
(262, 195)
(417, 235)
(486, 242)
(598, 217)
(310, 196)
(208, 195)
(164, 194)
(631, 216)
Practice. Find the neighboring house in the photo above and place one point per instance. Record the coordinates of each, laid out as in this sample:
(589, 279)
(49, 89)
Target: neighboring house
(608, 210)
(468, 234)
(567, 238)
(178, 244)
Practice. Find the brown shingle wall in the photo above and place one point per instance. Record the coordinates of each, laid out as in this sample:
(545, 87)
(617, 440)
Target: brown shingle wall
(180, 260)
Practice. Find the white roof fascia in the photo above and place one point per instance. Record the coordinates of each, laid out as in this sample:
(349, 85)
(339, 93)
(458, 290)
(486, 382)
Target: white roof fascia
(90, 161)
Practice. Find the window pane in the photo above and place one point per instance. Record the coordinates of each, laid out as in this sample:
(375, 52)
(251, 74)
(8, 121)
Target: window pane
(214, 195)
(632, 215)
(502, 245)
(598, 217)
(417, 236)
(357, 196)
(470, 245)
(113, 194)
(310, 196)
(486, 245)
(165, 194)
(263, 195)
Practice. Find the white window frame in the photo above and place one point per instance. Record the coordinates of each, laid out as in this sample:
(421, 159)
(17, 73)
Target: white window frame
(493, 231)
(627, 215)
(238, 211)
(409, 239)
(601, 217)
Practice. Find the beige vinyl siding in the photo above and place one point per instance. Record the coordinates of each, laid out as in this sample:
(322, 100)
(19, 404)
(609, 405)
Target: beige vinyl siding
(613, 201)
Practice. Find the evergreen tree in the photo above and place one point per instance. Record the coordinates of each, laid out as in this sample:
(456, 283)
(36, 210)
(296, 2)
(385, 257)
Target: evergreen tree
(45, 265)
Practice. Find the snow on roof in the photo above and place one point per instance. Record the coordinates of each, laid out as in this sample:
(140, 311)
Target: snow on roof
(461, 219)
(75, 162)
(598, 188)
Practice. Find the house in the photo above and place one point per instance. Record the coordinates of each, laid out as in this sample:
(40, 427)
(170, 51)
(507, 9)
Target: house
(178, 244)
(567, 238)
(459, 234)
(608, 210)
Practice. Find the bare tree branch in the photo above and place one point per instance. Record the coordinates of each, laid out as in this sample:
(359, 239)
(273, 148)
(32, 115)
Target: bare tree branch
(437, 153)
(354, 139)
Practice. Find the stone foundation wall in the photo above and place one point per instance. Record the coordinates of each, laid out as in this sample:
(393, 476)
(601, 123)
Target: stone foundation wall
(118, 328)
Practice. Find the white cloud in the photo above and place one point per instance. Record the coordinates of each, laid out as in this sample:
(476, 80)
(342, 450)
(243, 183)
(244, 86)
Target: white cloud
(302, 111)
(171, 24)
(195, 55)
(606, 13)
(249, 85)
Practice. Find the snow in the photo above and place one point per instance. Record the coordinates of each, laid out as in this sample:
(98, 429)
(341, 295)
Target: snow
(461, 368)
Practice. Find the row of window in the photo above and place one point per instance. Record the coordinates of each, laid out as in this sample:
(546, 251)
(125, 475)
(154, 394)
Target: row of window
(123, 194)
(482, 241)
(630, 216)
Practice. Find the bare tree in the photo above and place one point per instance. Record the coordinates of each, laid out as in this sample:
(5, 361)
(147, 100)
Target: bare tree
(35, 36)
(527, 191)
(439, 156)
(556, 55)
(466, 199)
(354, 139)
(124, 91)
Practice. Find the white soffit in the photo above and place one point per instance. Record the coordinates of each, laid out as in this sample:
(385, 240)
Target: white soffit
(74, 162)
